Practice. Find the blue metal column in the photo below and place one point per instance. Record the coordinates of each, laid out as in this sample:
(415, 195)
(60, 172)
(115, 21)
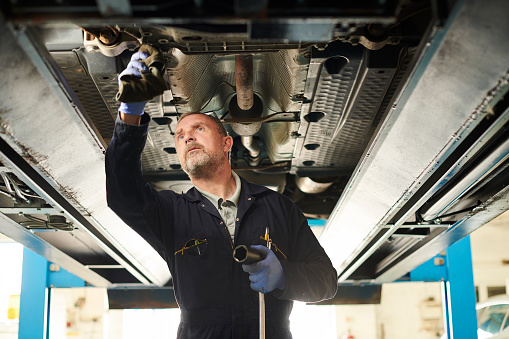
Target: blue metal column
(454, 270)
(317, 222)
(33, 311)
(38, 277)
(459, 292)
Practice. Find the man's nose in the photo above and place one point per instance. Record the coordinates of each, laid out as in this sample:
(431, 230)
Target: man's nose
(189, 137)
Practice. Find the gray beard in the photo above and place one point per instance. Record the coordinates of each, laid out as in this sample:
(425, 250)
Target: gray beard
(201, 166)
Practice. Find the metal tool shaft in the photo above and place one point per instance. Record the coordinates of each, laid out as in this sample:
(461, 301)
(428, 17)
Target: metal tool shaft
(262, 315)
(261, 295)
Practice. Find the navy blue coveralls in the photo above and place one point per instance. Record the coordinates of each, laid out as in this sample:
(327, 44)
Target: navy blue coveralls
(211, 289)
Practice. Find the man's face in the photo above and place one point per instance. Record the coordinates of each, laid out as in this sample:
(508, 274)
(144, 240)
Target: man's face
(200, 147)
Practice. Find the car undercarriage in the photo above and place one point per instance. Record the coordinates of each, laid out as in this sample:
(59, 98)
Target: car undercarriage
(387, 118)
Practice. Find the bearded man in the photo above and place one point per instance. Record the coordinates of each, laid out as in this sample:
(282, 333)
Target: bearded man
(196, 232)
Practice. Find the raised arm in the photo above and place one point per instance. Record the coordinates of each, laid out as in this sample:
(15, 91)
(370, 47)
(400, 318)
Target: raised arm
(128, 194)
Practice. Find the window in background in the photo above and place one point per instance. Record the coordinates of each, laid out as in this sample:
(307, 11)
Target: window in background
(495, 290)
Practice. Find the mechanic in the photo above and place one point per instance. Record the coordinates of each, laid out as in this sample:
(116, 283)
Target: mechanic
(196, 232)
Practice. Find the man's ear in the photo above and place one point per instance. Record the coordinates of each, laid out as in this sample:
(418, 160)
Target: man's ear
(228, 143)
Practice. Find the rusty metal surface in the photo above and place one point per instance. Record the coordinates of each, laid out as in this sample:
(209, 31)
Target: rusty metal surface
(346, 101)
(206, 82)
(244, 81)
(410, 145)
(75, 169)
(386, 119)
(86, 91)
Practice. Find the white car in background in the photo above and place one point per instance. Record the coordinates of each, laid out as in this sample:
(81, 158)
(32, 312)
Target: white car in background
(492, 318)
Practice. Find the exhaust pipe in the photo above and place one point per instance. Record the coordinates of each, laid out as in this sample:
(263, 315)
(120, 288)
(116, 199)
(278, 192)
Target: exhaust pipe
(246, 105)
(244, 81)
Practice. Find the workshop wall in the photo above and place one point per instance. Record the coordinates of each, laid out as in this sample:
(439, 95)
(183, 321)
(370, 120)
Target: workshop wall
(405, 308)
(490, 255)
(78, 313)
(11, 257)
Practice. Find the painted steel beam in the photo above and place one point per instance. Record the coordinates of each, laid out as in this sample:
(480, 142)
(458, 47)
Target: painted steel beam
(436, 108)
(480, 216)
(52, 135)
(61, 278)
(28, 239)
(28, 210)
(432, 270)
(141, 297)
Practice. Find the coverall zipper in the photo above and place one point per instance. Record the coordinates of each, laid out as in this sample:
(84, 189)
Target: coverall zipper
(229, 236)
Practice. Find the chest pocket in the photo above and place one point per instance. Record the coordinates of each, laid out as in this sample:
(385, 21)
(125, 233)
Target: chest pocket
(193, 240)
(194, 247)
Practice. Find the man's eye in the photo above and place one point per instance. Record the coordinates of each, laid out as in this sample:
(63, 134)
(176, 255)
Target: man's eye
(180, 137)
(199, 129)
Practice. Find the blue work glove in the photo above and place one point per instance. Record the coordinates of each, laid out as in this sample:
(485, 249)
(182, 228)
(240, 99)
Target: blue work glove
(133, 108)
(265, 275)
(134, 69)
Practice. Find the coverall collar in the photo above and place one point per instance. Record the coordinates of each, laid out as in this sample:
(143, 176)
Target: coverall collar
(247, 189)
(215, 199)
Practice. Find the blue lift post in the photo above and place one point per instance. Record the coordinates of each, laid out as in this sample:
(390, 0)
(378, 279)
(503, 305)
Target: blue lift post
(455, 272)
(38, 277)
(317, 222)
